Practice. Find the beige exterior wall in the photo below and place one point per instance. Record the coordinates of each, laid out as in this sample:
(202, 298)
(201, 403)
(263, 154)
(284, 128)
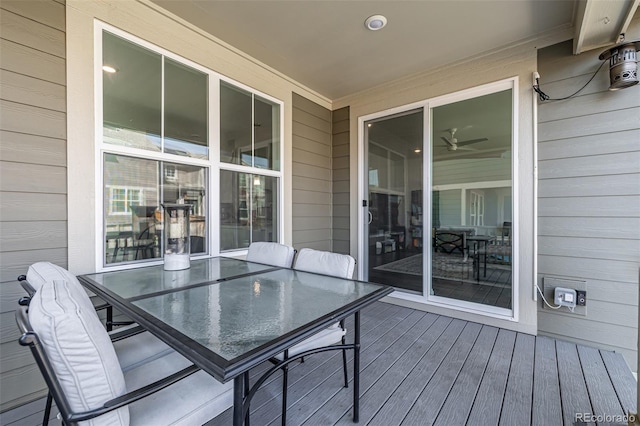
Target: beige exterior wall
(147, 21)
(589, 198)
(33, 170)
(311, 173)
(341, 194)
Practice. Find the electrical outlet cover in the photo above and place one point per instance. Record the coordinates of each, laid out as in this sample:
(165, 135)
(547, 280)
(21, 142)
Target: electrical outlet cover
(565, 297)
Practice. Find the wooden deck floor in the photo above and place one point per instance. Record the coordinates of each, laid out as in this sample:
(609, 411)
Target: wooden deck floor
(419, 368)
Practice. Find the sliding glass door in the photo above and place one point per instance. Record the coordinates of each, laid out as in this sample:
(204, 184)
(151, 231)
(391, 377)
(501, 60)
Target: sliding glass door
(439, 218)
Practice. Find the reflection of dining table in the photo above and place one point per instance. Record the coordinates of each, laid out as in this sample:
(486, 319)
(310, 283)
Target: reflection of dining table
(477, 240)
(227, 315)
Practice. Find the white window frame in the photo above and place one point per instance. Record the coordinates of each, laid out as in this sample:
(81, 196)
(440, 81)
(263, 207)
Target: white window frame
(213, 165)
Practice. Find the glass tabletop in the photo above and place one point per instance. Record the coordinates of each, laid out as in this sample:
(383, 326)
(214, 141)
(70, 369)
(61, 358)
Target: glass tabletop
(231, 318)
(134, 283)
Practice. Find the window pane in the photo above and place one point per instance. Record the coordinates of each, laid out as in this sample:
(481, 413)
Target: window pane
(267, 134)
(131, 94)
(236, 127)
(248, 209)
(185, 110)
(187, 184)
(131, 200)
(264, 208)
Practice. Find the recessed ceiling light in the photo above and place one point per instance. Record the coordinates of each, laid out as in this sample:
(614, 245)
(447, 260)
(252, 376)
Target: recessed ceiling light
(107, 68)
(375, 22)
(417, 150)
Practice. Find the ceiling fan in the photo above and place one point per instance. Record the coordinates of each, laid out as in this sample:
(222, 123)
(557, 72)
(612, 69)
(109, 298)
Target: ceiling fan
(454, 145)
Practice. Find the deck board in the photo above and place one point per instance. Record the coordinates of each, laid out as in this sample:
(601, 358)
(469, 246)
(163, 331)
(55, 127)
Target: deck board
(488, 403)
(419, 368)
(621, 380)
(603, 396)
(576, 401)
(429, 403)
(546, 408)
(405, 396)
(376, 396)
(458, 404)
(516, 409)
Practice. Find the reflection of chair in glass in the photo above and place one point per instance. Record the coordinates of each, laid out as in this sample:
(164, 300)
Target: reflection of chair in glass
(500, 249)
(143, 229)
(450, 241)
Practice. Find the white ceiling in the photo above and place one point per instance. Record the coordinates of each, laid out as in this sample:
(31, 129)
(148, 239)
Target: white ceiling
(325, 46)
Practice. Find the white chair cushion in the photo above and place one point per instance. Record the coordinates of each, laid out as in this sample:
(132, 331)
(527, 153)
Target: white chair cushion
(326, 337)
(80, 351)
(139, 349)
(274, 254)
(191, 401)
(42, 272)
(324, 262)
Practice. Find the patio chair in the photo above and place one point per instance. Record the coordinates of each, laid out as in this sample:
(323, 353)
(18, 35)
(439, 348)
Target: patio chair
(85, 376)
(274, 254)
(327, 263)
(133, 345)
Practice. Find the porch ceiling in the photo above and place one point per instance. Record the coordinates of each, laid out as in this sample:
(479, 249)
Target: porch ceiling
(325, 46)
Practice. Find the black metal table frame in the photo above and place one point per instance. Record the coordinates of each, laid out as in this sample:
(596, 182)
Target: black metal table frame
(224, 370)
(243, 393)
(476, 256)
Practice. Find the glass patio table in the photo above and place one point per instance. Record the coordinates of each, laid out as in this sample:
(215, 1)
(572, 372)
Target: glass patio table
(227, 315)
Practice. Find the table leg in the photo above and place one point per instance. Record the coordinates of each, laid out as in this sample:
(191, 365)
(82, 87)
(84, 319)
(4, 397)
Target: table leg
(247, 387)
(356, 369)
(238, 399)
(485, 259)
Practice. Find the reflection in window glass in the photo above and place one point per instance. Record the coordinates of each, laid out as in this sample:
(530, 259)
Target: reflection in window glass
(133, 194)
(249, 129)
(131, 200)
(236, 127)
(248, 209)
(185, 110)
(184, 184)
(131, 94)
(267, 134)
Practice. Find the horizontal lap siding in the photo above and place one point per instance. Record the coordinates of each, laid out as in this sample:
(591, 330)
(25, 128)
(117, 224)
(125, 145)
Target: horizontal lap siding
(589, 198)
(341, 182)
(311, 170)
(33, 186)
